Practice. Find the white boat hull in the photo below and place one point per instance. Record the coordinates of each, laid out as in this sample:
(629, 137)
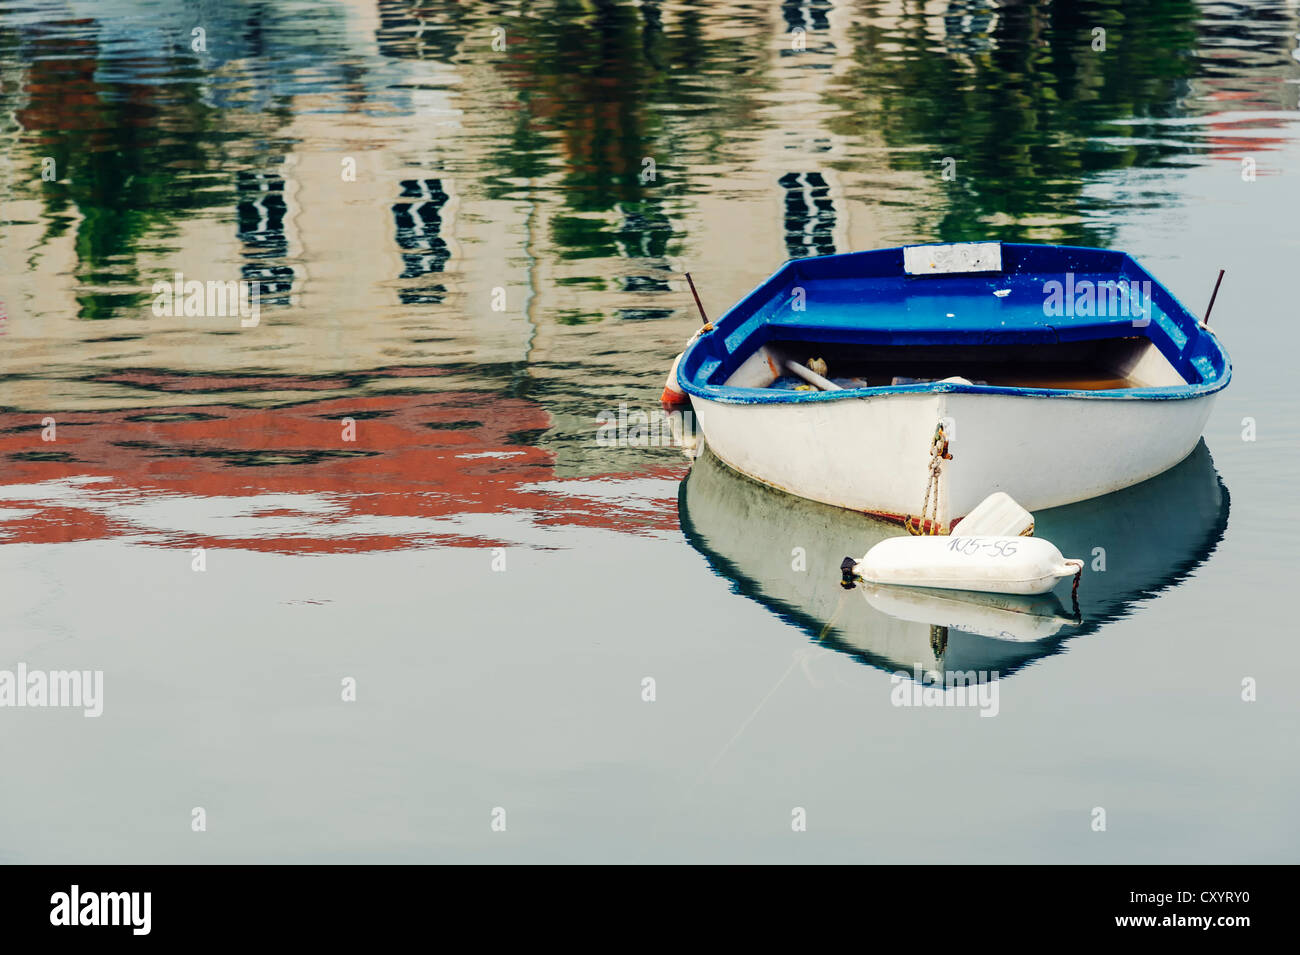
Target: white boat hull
(872, 454)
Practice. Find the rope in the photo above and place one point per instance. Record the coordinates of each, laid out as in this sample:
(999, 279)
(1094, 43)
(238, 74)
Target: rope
(838, 607)
(938, 454)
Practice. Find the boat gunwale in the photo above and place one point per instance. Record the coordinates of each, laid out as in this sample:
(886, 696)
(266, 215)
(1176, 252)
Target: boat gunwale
(725, 394)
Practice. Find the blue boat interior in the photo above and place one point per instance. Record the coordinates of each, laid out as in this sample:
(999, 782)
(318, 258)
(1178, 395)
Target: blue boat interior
(1052, 320)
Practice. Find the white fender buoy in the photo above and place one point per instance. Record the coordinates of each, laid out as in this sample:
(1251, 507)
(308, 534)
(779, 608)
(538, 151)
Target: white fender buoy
(1001, 565)
(1012, 617)
(998, 515)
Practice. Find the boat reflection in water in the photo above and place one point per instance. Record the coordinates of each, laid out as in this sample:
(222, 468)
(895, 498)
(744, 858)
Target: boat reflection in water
(785, 552)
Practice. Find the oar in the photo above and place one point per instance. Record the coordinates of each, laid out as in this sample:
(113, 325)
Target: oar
(810, 376)
(708, 326)
(1205, 322)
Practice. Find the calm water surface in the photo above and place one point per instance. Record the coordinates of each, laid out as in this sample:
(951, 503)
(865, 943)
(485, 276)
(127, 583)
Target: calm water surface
(472, 252)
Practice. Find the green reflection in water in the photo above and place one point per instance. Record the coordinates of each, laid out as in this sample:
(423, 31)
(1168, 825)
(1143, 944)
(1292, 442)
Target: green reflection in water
(129, 158)
(1017, 97)
(1016, 94)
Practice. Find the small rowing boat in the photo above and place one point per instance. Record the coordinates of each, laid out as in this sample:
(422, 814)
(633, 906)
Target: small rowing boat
(911, 383)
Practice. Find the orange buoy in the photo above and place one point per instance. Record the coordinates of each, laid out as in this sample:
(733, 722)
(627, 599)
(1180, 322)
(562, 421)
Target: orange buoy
(673, 396)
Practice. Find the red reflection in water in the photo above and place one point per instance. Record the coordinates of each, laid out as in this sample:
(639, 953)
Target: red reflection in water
(1234, 138)
(447, 455)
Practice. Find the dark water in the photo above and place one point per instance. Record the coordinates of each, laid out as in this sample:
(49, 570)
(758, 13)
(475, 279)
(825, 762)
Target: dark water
(467, 226)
